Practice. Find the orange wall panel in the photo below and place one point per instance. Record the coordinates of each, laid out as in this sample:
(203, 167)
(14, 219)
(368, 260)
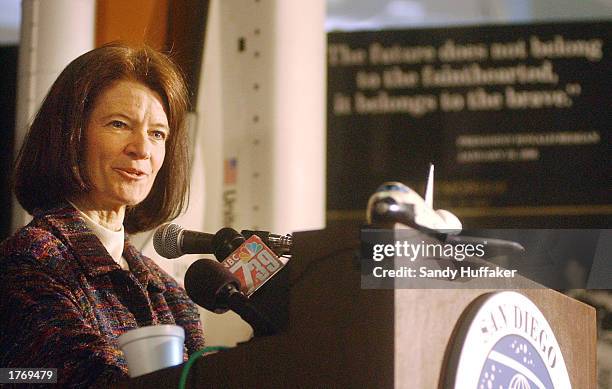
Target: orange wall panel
(132, 21)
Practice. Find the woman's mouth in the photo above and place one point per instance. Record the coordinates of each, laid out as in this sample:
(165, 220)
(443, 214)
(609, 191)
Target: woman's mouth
(130, 173)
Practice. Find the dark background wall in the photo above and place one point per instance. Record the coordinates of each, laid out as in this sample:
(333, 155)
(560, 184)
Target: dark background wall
(8, 84)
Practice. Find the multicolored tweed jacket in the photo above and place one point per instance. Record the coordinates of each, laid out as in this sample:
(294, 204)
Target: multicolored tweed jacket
(64, 301)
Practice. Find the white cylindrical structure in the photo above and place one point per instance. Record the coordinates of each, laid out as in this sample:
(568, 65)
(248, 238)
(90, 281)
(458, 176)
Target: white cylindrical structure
(299, 109)
(53, 33)
(273, 72)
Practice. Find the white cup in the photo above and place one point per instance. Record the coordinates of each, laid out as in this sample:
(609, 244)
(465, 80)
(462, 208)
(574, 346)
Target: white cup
(148, 349)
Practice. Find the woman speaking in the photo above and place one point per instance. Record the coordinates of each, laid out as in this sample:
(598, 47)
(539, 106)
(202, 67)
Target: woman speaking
(105, 157)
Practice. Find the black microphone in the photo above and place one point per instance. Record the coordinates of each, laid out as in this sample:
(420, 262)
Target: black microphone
(214, 288)
(226, 241)
(208, 284)
(172, 241)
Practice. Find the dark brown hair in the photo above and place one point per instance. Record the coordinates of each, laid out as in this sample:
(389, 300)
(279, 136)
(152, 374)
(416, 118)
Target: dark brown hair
(49, 168)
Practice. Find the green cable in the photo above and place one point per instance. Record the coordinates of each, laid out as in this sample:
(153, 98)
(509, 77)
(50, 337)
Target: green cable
(192, 360)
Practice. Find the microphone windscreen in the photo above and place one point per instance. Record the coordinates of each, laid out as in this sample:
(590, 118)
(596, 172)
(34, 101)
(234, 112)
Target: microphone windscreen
(204, 281)
(165, 240)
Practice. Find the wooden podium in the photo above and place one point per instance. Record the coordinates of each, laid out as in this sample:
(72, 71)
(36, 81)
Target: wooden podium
(337, 335)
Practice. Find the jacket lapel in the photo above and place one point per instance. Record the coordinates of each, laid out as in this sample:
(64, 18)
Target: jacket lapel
(141, 271)
(87, 248)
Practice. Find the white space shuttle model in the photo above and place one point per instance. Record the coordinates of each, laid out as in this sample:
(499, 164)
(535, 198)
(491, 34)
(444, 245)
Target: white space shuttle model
(394, 202)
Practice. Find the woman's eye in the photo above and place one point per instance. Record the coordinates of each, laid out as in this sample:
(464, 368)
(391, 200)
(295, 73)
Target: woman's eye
(160, 135)
(118, 124)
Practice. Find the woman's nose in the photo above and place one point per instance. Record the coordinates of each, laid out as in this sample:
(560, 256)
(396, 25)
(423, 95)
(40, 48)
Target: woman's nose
(139, 146)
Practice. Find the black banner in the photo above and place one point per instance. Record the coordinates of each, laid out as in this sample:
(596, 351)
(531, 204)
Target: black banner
(515, 118)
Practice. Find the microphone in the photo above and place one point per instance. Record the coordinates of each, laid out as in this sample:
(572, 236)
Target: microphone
(250, 260)
(225, 241)
(213, 287)
(171, 241)
(280, 244)
(208, 284)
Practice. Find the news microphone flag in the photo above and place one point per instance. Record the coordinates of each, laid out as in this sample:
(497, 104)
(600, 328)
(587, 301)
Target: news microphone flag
(253, 263)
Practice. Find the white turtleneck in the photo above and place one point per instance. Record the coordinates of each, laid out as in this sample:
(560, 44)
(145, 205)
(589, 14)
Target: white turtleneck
(113, 241)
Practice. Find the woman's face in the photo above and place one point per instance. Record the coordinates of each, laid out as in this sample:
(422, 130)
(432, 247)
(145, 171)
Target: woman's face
(125, 145)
